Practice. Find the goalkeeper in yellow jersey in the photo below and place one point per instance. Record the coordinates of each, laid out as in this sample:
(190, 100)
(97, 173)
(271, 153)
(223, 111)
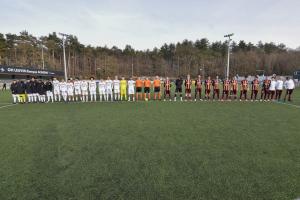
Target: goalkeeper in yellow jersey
(123, 84)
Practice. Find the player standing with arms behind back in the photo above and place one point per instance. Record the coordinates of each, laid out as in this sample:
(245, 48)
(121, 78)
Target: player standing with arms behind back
(207, 84)
(254, 89)
(108, 87)
(147, 88)
(279, 87)
(93, 89)
(84, 90)
(216, 87)
(234, 88)
(289, 86)
(198, 88)
(188, 88)
(244, 89)
(116, 84)
(77, 88)
(131, 84)
(156, 84)
(139, 88)
(226, 89)
(56, 90)
(178, 89)
(123, 84)
(167, 86)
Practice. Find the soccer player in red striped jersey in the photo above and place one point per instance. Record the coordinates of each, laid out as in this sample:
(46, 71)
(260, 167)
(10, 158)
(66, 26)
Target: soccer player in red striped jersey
(198, 88)
(188, 88)
(167, 86)
(226, 89)
(234, 87)
(216, 86)
(207, 84)
(254, 88)
(244, 89)
(265, 93)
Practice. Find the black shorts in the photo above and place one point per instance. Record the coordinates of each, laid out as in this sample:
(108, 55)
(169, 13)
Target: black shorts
(188, 91)
(157, 89)
(146, 90)
(138, 90)
(289, 91)
(178, 90)
(168, 92)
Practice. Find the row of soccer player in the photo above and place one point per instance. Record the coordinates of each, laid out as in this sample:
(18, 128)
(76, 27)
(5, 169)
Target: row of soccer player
(114, 90)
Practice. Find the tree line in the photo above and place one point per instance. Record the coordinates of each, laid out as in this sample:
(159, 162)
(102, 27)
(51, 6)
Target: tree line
(186, 57)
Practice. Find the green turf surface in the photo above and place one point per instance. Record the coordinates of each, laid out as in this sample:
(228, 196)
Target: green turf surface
(150, 150)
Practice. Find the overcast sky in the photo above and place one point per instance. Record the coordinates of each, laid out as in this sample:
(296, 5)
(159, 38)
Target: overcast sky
(148, 23)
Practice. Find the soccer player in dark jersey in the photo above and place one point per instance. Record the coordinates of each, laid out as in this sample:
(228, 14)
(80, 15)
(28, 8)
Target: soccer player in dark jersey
(234, 88)
(265, 93)
(198, 88)
(208, 84)
(188, 88)
(216, 87)
(254, 88)
(178, 89)
(226, 89)
(244, 89)
(167, 86)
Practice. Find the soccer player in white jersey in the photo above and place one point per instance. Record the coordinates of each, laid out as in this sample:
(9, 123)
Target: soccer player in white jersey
(56, 90)
(84, 90)
(109, 87)
(102, 90)
(116, 84)
(279, 88)
(131, 84)
(289, 85)
(70, 87)
(77, 87)
(93, 89)
(272, 88)
(63, 90)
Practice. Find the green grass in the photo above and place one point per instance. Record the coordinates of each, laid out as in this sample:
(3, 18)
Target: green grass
(150, 150)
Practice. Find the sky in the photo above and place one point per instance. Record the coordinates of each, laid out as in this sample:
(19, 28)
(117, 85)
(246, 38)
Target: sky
(145, 24)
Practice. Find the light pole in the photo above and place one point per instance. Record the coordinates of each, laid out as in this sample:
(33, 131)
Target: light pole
(64, 37)
(228, 58)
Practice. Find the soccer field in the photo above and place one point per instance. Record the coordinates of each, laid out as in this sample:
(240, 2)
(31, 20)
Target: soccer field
(150, 150)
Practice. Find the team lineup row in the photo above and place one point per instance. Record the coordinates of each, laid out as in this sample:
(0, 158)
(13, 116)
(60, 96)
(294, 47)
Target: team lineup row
(118, 90)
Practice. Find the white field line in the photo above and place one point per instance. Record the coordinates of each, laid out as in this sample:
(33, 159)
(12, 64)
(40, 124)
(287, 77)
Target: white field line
(9, 105)
(288, 104)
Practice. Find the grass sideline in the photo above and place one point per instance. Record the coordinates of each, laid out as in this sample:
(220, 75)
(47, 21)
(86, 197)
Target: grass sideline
(150, 150)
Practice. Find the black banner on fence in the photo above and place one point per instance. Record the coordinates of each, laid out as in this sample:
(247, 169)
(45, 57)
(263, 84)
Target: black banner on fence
(9, 70)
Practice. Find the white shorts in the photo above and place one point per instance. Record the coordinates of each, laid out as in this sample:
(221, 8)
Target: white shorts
(77, 92)
(84, 92)
(131, 90)
(70, 92)
(56, 92)
(117, 91)
(101, 91)
(109, 91)
(49, 93)
(92, 92)
(64, 93)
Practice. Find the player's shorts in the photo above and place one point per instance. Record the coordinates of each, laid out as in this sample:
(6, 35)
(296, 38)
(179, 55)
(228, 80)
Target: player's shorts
(56, 92)
(84, 92)
(216, 90)
(207, 91)
(226, 92)
(168, 92)
(117, 91)
(244, 91)
(77, 92)
(92, 92)
(146, 90)
(49, 93)
(138, 90)
(157, 89)
(70, 92)
(178, 90)
(101, 91)
(108, 91)
(188, 90)
(131, 90)
(289, 91)
(198, 90)
(64, 93)
(123, 91)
